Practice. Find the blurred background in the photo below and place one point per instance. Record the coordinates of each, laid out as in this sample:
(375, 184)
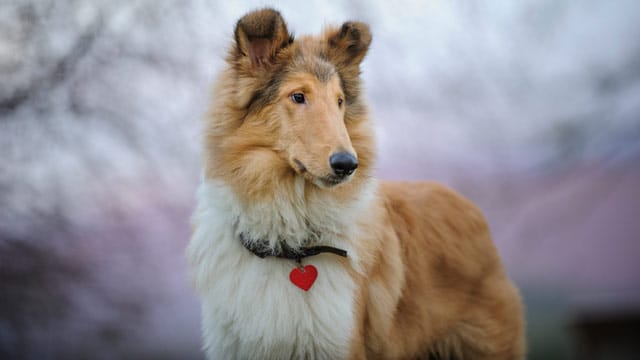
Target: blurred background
(529, 108)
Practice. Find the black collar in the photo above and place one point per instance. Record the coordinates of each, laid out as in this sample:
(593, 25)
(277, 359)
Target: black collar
(262, 249)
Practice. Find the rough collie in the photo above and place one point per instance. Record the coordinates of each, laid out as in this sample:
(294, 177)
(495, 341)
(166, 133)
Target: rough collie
(298, 252)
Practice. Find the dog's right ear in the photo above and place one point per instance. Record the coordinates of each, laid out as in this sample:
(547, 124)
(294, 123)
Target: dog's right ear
(260, 35)
(349, 45)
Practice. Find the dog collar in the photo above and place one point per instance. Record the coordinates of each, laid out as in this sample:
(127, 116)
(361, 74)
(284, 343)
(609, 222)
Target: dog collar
(301, 276)
(261, 249)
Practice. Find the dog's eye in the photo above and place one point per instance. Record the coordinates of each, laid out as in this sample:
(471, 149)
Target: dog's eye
(339, 102)
(298, 98)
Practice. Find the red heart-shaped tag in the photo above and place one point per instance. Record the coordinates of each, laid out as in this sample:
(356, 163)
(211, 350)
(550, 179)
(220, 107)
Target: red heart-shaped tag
(305, 277)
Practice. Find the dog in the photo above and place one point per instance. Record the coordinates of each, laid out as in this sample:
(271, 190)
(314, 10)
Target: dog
(298, 252)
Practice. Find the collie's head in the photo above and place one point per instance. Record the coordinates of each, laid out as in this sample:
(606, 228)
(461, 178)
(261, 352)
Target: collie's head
(288, 109)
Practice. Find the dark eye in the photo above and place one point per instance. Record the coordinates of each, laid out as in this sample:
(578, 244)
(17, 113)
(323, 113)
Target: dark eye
(298, 98)
(339, 102)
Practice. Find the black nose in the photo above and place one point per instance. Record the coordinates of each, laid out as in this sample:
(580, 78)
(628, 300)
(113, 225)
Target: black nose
(343, 163)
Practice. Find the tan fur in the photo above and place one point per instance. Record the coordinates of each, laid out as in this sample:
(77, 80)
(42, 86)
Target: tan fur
(436, 283)
(429, 280)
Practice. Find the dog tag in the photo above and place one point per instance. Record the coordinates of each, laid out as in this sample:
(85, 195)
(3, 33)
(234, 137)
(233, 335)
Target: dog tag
(304, 277)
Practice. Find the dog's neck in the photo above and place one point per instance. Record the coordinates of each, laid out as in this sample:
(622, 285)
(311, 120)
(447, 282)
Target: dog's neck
(294, 218)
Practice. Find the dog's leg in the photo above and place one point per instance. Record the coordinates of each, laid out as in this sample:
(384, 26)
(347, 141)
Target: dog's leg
(495, 330)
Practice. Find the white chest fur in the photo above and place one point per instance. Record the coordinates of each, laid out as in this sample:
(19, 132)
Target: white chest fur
(250, 308)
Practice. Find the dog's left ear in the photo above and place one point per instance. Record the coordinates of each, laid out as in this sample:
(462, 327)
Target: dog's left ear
(348, 45)
(260, 35)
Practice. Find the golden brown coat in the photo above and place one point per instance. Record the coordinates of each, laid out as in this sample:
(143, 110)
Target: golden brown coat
(428, 280)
